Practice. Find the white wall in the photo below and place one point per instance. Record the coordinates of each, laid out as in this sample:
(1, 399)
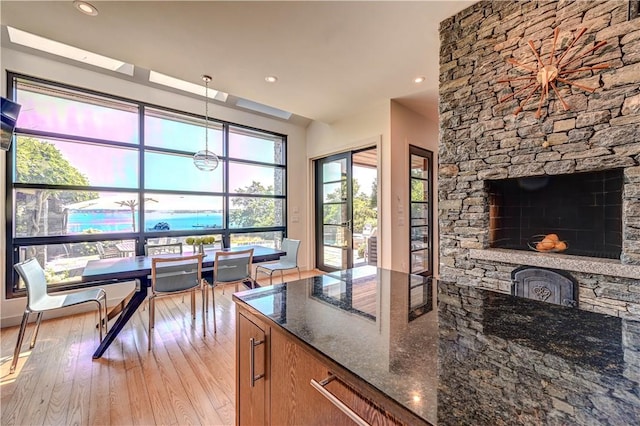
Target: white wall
(11, 310)
(408, 128)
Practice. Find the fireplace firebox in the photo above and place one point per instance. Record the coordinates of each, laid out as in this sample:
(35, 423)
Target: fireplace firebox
(582, 209)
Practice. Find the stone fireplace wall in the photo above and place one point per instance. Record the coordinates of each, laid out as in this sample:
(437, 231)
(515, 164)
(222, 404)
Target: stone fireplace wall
(482, 140)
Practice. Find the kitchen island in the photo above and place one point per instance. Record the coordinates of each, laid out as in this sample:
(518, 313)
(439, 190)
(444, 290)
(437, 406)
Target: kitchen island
(372, 346)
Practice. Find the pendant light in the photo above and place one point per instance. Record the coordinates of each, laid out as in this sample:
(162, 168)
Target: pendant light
(206, 160)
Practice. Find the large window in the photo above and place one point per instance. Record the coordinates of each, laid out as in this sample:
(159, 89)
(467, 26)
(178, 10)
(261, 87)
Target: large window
(93, 176)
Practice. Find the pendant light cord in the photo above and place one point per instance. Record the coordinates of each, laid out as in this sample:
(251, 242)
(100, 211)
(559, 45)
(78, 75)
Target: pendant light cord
(206, 79)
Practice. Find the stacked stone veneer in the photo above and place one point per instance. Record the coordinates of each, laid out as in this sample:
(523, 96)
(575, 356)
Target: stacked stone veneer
(481, 139)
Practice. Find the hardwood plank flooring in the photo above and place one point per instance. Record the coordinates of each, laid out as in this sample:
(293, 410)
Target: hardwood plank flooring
(185, 379)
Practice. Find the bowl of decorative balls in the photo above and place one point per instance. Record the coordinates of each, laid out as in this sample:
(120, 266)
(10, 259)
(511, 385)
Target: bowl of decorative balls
(549, 243)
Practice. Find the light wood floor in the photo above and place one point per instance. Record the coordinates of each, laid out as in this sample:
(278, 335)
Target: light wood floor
(185, 380)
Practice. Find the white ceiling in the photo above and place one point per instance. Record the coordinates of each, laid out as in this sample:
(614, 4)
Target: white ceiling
(332, 58)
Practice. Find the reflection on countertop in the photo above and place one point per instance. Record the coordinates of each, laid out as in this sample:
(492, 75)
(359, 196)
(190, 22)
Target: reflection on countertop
(479, 358)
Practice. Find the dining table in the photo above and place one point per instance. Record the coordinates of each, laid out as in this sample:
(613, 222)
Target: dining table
(138, 269)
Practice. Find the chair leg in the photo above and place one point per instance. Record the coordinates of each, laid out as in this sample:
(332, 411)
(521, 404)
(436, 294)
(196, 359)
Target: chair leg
(36, 330)
(213, 307)
(203, 290)
(100, 319)
(282, 276)
(271, 278)
(204, 285)
(102, 314)
(152, 308)
(193, 304)
(16, 352)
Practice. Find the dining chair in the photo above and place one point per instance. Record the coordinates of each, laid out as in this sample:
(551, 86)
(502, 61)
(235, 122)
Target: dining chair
(163, 248)
(39, 301)
(174, 275)
(169, 248)
(229, 267)
(288, 261)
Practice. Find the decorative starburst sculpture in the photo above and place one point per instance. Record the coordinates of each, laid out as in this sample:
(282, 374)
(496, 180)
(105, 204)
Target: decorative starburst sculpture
(544, 75)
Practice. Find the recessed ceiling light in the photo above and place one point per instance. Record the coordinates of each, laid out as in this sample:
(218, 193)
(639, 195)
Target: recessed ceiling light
(271, 79)
(176, 83)
(419, 80)
(86, 8)
(60, 49)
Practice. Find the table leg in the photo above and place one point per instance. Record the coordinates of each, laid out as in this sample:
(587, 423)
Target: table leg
(120, 306)
(127, 312)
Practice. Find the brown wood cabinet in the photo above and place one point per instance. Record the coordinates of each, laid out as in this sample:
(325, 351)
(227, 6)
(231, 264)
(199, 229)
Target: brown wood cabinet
(252, 378)
(286, 396)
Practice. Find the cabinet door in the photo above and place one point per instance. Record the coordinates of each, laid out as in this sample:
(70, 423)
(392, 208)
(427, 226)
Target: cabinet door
(251, 373)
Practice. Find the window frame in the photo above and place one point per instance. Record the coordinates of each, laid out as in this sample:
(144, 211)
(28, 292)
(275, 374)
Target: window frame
(14, 244)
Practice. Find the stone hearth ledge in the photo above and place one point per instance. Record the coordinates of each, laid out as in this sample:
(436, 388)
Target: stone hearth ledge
(590, 265)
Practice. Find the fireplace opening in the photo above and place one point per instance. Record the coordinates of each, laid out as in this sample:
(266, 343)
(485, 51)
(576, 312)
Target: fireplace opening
(583, 209)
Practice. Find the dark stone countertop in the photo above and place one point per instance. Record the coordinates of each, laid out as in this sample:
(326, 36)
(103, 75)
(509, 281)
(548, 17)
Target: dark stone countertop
(475, 357)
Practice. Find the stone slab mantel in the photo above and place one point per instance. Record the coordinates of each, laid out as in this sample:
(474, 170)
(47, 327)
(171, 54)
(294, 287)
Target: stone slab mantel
(590, 265)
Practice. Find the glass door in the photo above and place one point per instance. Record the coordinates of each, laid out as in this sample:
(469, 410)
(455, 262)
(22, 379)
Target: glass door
(334, 216)
(421, 208)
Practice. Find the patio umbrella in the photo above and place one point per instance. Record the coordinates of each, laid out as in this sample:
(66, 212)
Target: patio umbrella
(113, 202)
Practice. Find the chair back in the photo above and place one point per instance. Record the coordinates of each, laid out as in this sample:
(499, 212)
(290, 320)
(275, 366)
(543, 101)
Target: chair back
(153, 249)
(230, 266)
(291, 247)
(33, 276)
(174, 274)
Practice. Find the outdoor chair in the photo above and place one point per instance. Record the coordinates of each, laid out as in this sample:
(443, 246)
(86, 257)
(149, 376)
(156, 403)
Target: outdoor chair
(229, 267)
(171, 248)
(39, 301)
(288, 261)
(107, 252)
(173, 275)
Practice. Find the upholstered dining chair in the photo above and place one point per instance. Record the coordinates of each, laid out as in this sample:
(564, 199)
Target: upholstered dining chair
(173, 275)
(288, 261)
(39, 301)
(229, 267)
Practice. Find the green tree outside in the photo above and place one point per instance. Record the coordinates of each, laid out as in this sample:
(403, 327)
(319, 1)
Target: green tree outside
(42, 163)
(252, 212)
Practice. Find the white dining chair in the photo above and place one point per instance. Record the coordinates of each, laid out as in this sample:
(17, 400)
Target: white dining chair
(288, 261)
(39, 301)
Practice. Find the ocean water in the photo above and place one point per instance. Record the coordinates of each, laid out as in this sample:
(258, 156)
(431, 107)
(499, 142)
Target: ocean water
(121, 221)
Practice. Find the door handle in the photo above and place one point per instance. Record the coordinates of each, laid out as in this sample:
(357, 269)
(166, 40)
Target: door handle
(320, 387)
(252, 358)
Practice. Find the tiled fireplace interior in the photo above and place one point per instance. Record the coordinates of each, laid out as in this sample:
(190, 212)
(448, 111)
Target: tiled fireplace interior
(583, 209)
(504, 179)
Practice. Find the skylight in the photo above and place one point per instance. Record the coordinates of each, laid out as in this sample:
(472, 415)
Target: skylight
(176, 83)
(60, 49)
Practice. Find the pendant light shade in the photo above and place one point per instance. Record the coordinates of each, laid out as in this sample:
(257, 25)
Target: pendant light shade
(206, 160)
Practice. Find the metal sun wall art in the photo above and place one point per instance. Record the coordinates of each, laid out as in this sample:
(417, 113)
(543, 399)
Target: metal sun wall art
(558, 68)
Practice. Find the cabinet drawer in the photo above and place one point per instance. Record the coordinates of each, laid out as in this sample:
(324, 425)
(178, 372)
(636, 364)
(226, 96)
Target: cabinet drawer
(295, 401)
